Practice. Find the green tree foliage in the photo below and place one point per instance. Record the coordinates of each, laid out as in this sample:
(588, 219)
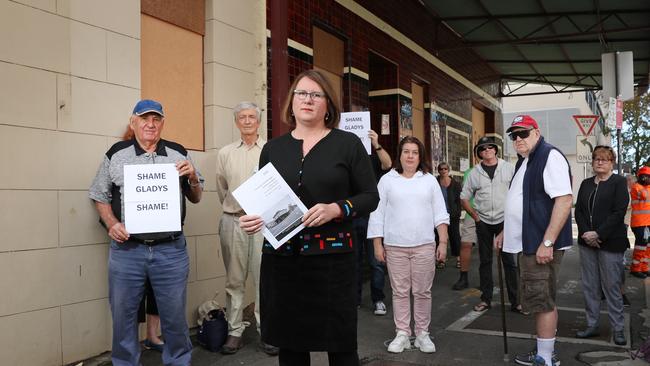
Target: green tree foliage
(636, 131)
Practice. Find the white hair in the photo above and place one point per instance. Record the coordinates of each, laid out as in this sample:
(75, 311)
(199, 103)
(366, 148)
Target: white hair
(247, 105)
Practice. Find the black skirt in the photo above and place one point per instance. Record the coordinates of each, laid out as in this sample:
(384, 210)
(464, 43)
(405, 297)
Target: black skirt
(308, 302)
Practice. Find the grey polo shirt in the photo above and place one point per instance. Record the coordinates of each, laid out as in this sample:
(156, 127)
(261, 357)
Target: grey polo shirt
(108, 185)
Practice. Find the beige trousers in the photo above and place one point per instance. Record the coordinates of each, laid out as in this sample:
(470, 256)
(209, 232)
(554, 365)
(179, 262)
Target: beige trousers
(242, 253)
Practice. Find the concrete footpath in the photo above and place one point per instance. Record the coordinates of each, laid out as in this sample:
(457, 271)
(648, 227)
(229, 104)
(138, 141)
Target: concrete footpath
(464, 337)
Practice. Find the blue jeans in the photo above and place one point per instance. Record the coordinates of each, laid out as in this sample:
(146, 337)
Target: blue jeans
(167, 267)
(378, 271)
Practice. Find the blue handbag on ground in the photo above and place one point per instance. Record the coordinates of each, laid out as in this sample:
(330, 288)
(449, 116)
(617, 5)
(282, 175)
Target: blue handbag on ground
(213, 326)
(213, 331)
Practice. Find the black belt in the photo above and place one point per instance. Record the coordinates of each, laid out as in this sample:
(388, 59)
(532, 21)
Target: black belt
(152, 242)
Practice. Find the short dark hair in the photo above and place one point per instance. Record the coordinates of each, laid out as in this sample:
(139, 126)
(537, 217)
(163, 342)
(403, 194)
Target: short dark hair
(333, 106)
(424, 165)
(606, 150)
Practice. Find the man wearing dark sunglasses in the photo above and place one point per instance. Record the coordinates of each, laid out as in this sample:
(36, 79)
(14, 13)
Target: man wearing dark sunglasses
(538, 227)
(487, 183)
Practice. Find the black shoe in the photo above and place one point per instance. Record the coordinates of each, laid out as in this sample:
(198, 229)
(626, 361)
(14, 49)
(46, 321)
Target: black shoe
(619, 338)
(461, 284)
(588, 333)
(626, 301)
(519, 310)
(641, 275)
(527, 359)
(268, 349)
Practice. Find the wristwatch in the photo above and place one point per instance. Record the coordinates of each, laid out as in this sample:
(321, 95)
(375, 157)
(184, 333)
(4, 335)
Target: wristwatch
(378, 148)
(548, 243)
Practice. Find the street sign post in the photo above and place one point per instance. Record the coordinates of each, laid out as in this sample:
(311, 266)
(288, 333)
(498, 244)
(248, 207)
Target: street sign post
(584, 148)
(615, 115)
(619, 113)
(585, 123)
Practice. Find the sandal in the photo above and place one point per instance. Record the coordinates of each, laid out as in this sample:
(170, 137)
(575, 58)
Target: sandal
(482, 306)
(458, 263)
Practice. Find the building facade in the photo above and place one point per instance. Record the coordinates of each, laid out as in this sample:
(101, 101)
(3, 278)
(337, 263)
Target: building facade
(71, 71)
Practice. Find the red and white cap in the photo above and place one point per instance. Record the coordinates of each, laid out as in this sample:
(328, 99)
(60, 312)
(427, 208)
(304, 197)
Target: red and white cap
(523, 121)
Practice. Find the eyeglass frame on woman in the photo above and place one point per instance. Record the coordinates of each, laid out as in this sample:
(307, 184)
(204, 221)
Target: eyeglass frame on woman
(522, 134)
(314, 95)
(599, 161)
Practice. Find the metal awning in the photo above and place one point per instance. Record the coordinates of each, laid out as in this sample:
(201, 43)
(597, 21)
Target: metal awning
(554, 42)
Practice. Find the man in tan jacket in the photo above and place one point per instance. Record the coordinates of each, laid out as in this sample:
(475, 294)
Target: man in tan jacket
(241, 252)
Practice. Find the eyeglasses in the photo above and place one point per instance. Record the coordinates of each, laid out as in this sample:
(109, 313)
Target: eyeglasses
(302, 95)
(483, 148)
(522, 134)
(601, 161)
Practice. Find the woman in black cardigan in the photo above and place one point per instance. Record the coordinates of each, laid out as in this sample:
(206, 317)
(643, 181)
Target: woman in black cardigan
(308, 285)
(602, 235)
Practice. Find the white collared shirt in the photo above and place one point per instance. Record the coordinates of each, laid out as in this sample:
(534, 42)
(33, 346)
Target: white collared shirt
(557, 182)
(409, 210)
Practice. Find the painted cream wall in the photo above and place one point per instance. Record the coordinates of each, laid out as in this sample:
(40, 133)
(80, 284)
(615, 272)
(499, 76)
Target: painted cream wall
(235, 71)
(70, 74)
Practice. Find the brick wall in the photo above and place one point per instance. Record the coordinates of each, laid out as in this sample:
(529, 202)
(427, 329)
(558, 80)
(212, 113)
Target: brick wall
(365, 43)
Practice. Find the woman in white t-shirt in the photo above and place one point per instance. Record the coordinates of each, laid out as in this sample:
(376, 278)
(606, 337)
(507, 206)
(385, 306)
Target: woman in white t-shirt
(411, 207)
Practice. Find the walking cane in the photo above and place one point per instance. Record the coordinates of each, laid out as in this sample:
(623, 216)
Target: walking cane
(506, 358)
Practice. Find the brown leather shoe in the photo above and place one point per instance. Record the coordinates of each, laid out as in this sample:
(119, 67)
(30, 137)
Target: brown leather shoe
(232, 345)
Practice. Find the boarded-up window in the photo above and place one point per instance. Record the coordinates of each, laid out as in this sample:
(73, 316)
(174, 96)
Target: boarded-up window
(328, 58)
(172, 73)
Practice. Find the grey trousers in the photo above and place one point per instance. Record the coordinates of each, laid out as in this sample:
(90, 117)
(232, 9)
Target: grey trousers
(604, 270)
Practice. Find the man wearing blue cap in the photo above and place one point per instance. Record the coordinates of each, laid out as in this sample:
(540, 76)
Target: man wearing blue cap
(160, 256)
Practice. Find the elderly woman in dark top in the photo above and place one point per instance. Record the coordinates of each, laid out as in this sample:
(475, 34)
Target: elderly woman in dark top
(600, 211)
(451, 192)
(308, 285)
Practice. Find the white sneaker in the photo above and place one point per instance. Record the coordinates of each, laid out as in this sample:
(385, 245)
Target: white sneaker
(380, 308)
(400, 343)
(424, 344)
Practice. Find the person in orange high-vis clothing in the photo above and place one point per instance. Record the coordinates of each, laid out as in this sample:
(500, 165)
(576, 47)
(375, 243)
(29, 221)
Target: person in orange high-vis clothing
(640, 223)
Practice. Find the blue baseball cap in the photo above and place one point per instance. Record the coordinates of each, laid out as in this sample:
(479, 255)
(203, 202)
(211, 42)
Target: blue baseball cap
(146, 106)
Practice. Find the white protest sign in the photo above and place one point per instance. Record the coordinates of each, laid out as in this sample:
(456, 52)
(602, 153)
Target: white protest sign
(267, 194)
(151, 198)
(359, 124)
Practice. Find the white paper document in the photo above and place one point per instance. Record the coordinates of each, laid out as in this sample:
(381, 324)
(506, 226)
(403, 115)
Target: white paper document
(359, 124)
(266, 194)
(151, 198)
